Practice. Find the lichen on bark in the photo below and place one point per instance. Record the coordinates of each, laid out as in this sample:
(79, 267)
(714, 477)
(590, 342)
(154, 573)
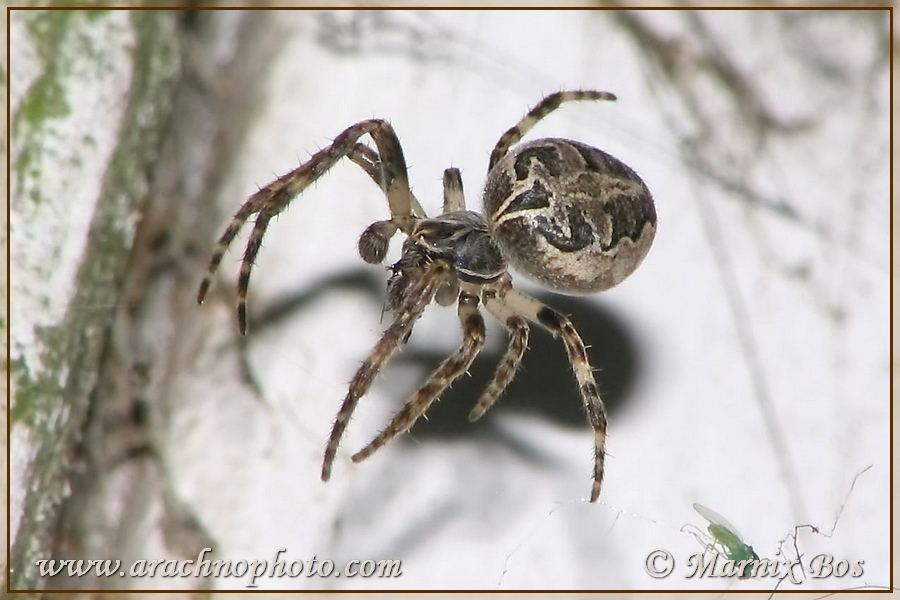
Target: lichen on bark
(54, 353)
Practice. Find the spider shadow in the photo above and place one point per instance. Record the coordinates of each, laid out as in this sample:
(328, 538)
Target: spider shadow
(544, 385)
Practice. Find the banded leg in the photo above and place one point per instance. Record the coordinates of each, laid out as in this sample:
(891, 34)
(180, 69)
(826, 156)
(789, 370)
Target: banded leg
(517, 328)
(546, 106)
(419, 296)
(450, 370)
(369, 161)
(560, 326)
(277, 195)
(454, 199)
(373, 242)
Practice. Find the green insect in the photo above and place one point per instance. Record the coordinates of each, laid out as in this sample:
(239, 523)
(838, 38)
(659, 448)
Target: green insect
(727, 541)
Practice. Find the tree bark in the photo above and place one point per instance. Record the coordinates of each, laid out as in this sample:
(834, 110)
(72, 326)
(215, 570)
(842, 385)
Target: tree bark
(115, 156)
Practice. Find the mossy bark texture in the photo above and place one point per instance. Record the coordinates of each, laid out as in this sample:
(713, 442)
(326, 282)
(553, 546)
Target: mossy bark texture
(90, 95)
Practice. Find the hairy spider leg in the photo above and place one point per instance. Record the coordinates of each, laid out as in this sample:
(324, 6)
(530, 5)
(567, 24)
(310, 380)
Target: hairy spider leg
(517, 329)
(559, 325)
(374, 240)
(449, 371)
(454, 199)
(514, 134)
(420, 295)
(277, 195)
(369, 161)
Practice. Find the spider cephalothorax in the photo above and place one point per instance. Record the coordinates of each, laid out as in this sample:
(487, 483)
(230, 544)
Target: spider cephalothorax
(566, 214)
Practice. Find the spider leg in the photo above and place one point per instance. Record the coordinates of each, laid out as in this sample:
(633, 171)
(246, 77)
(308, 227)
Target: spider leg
(518, 330)
(369, 161)
(546, 106)
(254, 243)
(419, 296)
(277, 195)
(560, 326)
(454, 199)
(237, 221)
(374, 240)
(449, 370)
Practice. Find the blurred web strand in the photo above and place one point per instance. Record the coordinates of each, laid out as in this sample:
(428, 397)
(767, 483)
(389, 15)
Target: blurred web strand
(561, 505)
(529, 535)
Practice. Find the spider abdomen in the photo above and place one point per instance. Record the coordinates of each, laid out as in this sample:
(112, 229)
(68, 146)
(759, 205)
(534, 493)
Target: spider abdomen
(569, 215)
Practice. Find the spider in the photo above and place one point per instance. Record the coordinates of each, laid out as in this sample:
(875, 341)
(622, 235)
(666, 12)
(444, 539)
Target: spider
(564, 213)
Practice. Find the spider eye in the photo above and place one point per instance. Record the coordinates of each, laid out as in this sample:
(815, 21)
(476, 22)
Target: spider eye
(431, 236)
